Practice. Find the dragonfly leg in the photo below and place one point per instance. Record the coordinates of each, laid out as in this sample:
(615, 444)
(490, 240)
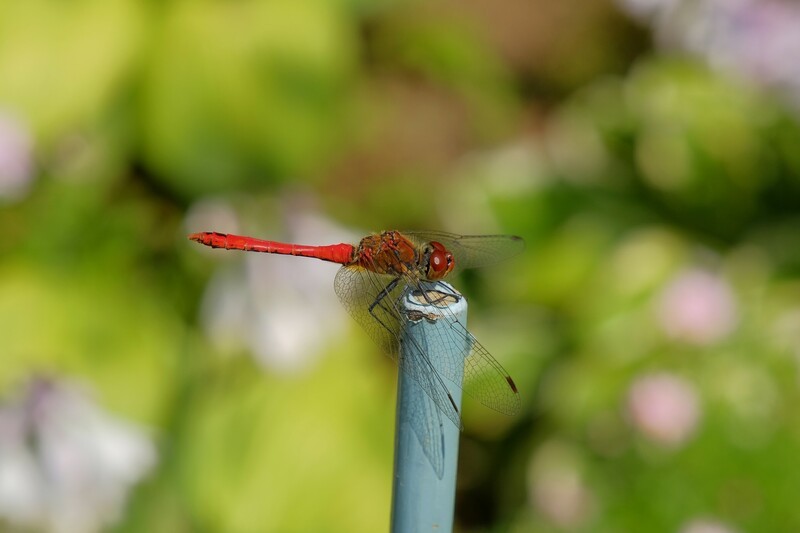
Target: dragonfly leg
(379, 303)
(444, 293)
(426, 379)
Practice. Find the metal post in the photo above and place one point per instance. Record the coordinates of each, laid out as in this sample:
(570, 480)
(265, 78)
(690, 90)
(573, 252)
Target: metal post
(426, 441)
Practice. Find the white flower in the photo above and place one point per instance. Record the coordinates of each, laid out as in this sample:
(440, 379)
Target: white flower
(65, 465)
(282, 309)
(706, 525)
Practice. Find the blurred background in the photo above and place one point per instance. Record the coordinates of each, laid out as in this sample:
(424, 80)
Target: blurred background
(647, 150)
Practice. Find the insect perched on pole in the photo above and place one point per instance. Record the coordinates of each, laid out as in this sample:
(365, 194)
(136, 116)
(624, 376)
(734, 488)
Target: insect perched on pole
(376, 276)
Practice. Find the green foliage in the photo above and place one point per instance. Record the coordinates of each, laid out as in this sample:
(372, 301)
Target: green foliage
(149, 119)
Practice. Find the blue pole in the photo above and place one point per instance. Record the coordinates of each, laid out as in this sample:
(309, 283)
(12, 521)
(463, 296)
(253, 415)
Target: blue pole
(426, 441)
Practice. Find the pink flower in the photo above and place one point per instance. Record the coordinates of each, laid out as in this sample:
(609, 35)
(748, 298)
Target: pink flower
(557, 487)
(664, 408)
(697, 307)
(16, 157)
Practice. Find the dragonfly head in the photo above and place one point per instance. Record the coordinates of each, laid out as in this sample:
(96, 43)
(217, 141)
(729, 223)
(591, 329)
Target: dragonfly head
(437, 262)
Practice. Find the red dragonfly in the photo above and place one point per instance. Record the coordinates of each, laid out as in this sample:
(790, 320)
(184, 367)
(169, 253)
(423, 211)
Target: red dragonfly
(374, 276)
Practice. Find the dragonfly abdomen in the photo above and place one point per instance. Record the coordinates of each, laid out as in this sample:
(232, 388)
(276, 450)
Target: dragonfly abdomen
(335, 253)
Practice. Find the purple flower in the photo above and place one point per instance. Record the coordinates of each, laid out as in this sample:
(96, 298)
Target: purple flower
(756, 39)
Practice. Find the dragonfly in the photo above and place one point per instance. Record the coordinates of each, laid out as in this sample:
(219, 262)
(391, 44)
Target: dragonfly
(374, 276)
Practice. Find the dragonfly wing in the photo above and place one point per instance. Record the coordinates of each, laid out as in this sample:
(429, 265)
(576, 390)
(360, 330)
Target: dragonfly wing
(375, 302)
(358, 289)
(483, 377)
(425, 420)
(472, 251)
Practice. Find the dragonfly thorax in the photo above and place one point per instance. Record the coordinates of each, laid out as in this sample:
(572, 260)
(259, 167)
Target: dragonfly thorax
(394, 254)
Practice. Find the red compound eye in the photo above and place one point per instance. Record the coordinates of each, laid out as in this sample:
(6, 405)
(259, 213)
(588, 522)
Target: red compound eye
(440, 261)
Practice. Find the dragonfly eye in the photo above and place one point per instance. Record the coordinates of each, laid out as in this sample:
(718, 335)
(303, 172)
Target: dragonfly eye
(440, 261)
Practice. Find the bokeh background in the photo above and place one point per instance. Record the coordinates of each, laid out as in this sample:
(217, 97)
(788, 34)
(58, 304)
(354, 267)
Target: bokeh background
(647, 150)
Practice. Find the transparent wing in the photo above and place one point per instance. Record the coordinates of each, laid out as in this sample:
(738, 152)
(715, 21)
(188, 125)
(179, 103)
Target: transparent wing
(373, 300)
(375, 303)
(483, 377)
(358, 289)
(425, 420)
(472, 251)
